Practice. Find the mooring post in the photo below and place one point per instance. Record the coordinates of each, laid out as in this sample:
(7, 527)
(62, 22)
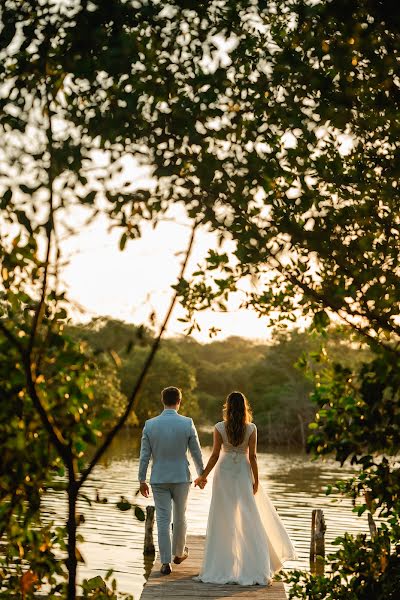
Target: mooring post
(312, 541)
(148, 531)
(317, 545)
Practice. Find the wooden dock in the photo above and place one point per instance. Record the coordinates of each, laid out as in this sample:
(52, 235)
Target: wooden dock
(180, 584)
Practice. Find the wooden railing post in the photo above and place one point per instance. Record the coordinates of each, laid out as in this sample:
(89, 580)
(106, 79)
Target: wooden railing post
(148, 531)
(317, 545)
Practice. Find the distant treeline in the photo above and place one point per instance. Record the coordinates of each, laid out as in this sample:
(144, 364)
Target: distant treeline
(278, 378)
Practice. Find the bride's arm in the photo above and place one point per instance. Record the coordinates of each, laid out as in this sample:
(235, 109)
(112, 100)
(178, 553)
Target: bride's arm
(253, 458)
(212, 461)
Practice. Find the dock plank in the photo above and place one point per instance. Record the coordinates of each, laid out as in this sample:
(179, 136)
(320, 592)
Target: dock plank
(180, 583)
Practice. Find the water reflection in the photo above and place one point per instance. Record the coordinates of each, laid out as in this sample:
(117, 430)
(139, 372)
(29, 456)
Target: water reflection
(115, 540)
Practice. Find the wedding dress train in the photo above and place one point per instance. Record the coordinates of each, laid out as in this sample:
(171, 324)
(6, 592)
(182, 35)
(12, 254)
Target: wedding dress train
(246, 541)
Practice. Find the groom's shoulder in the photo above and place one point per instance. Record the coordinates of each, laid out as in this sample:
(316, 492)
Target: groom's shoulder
(185, 422)
(149, 422)
(185, 419)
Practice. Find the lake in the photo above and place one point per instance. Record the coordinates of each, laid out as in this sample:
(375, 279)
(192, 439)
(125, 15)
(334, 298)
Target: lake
(114, 539)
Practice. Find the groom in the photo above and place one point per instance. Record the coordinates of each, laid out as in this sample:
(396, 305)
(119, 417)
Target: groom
(166, 439)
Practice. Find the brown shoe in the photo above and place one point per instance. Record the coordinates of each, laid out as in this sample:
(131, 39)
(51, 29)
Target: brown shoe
(166, 569)
(179, 559)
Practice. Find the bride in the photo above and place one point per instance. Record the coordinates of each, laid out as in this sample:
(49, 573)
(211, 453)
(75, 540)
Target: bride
(246, 541)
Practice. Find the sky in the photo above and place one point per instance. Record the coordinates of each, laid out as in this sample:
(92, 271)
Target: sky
(131, 284)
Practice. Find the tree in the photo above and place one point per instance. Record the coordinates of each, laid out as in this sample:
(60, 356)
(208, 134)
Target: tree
(286, 142)
(280, 382)
(167, 369)
(281, 391)
(242, 110)
(358, 419)
(111, 336)
(60, 66)
(220, 367)
(107, 394)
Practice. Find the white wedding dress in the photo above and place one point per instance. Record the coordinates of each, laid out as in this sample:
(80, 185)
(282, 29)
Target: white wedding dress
(246, 541)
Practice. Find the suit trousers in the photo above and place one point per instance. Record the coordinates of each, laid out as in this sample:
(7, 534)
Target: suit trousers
(170, 497)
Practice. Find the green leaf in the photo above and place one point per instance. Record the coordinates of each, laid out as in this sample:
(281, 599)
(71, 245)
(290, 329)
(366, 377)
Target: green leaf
(124, 504)
(321, 320)
(23, 219)
(139, 513)
(90, 197)
(122, 241)
(6, 199)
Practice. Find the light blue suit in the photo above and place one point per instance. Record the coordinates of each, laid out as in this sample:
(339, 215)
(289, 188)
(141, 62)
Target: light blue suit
(166, 439)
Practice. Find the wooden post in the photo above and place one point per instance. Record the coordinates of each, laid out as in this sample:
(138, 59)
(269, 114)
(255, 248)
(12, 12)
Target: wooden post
(320, 529)
(312, 541)
(317, 546)
(148, 531)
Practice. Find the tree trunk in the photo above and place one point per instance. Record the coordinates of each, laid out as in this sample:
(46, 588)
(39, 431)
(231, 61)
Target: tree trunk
(302, 433)
(372, 525)
(71, 530)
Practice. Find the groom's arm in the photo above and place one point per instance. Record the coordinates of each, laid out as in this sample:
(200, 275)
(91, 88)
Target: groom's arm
(195, 449)
(145, 454)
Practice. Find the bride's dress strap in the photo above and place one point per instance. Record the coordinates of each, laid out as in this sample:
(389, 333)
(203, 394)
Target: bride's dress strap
(249, 430)
(220, 427)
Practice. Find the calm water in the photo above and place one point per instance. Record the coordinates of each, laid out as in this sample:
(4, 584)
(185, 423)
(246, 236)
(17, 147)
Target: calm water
(114, 539)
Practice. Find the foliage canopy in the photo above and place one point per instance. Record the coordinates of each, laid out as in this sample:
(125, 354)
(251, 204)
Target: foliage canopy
(275, 124)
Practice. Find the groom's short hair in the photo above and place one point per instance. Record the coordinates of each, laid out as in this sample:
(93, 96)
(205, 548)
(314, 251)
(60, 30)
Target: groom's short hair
(171, 396)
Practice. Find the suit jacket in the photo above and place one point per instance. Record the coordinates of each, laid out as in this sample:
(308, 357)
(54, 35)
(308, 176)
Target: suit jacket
(166, 439)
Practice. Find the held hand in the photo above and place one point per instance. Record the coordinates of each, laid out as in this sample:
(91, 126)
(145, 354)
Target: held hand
(144, 489)
(255, 487)
(200, 482)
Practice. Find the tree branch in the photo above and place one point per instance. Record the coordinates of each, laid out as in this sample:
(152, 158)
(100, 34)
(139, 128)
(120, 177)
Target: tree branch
(53, 431)
(326, 302)
(13, 340)
(133, 399)
(49, 231)
(301, 237)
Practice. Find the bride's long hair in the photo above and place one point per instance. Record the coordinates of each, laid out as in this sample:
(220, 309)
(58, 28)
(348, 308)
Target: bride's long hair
(237, 413)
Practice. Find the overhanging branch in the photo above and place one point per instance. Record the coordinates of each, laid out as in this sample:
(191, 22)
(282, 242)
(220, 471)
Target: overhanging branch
(328, 303)
(49, 232)
(53, 431)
